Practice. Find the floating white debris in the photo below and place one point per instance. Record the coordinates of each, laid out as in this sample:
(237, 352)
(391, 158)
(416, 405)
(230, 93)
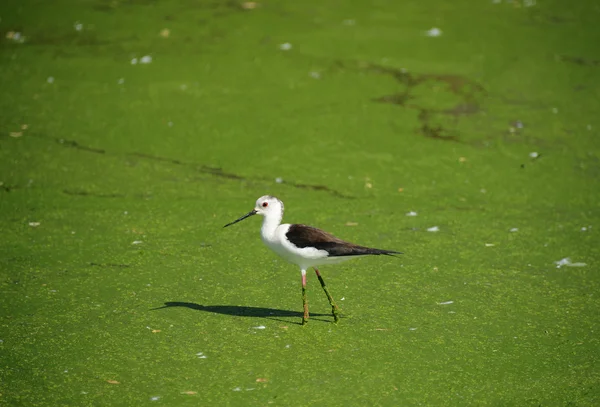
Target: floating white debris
(433, 229)
(514, 230)
(489, 245)
(155, 398)
(121, 81)
(16, 36)
(134, 61)
(259, 327)
(446, 303)
(342, 299)
(50, 79)
(201, 355)
(519, 124)
(567, 262)
(434, 32)
(286, 46)
(78, 26)
(315, 75)
(412, 329)
(534, 154)
(411, 213)
(237, 389)
(279, 180)
(146, 59)
(34, 224)
(137, 242)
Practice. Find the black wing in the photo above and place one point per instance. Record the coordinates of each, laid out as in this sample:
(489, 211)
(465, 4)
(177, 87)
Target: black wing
(307, 236)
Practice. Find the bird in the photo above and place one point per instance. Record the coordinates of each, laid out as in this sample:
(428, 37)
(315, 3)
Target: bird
(305, 246)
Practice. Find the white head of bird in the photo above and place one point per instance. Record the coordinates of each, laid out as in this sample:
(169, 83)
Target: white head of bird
(268, 206)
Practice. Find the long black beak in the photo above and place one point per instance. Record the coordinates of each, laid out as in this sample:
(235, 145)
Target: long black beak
(252, 212)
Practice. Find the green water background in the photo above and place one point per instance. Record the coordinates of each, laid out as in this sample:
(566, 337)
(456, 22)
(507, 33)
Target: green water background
(116, 179)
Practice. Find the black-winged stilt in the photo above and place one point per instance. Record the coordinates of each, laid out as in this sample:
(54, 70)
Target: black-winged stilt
(304, 246)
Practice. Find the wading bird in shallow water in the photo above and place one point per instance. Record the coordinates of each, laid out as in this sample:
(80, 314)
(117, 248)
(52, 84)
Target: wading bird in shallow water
(304, 246)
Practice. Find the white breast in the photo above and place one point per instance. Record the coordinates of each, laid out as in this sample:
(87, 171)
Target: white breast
(303, 257)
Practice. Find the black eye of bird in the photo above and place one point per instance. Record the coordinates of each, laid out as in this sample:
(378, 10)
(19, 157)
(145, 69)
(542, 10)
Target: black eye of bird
(265, 204)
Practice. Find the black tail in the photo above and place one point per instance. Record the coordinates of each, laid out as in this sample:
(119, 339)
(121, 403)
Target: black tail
(337, 250)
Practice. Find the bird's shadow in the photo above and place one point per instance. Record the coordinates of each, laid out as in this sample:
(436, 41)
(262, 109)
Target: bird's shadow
(244, 311)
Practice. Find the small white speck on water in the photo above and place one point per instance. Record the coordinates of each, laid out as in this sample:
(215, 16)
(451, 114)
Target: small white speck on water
(259, 327)
(586, 228)
(134, 61)
(137, 242)
(411, 213)
(434, 32)
(412, 329)
(567, 262)
(287, 346)
(201, 355)
(433, 229)
(84, 392)
(446, 303)
(154, 398)
(279, 180)
(146, 59)
(16, 36)
(518, 124)
(121, 81)
(314, 75)
(125, 213)
(490, 245)
(50, 79)
(237, 389)
(34, 224)
(286, 46)
(66, 371)
(78, 26)
(534, 154)
(342, 299)
(514, 230)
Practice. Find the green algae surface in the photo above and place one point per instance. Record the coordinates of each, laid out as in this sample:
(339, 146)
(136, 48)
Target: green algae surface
(132, 131)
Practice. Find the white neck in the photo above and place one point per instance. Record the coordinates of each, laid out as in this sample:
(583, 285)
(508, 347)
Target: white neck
(270, 222)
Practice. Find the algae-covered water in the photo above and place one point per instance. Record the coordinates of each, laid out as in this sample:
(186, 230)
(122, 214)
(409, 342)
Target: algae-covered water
(464, 134)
